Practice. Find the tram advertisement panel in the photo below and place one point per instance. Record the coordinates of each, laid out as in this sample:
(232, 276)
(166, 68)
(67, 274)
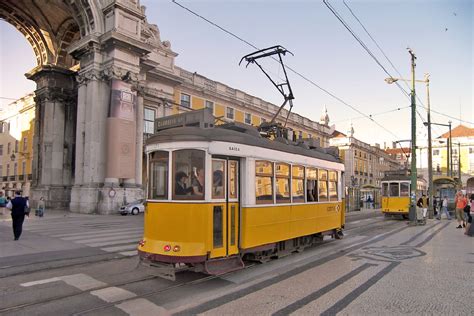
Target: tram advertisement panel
(121, 131)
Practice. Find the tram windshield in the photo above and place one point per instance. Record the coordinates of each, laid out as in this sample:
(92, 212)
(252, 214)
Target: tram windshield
(188, 174)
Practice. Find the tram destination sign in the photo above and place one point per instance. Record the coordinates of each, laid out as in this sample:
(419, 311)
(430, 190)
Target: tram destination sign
(202, 118)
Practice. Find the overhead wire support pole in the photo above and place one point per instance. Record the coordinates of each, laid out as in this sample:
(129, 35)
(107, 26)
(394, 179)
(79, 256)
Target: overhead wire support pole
(412, 213)
(267, 52)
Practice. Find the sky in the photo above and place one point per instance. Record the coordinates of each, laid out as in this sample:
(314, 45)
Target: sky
(439, 32)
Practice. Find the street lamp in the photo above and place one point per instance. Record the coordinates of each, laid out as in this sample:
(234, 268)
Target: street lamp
(412, 213)
(430, 158)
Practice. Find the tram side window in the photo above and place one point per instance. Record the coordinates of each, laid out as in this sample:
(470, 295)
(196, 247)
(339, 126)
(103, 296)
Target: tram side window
(264, 182)
(311, 185)
(404, 189)
(297, 184)
(218, 179)
(385, 189)
(323, 185)
(282, 183)
(332, 185)
(159, 175)
(394, 189)
(188, 174)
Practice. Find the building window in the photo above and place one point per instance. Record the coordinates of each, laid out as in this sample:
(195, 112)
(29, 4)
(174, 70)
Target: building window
(300, 135)
(310, 136)
(1, 150)
(230, 113)
(210, 105)
(471, 150)
(264, 182)
(25, 144)
(9, 148)
(16, 145)
(436, 152)
(248, 118)
(355, 153)
(148, 121)
(15, 169)
(23, 168)
(185, 100)
(1, 171)
(8, 170)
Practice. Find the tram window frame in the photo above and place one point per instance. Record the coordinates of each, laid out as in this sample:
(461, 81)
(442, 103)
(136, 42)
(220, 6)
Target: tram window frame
(282, 177)
(393, 185)
(311, 175)
(407, 189)
(264, 176)
(233, 184)
(385, 191)
(191, 170)
(215, 180)
(332, 181)
(159, 158)
(297, 176)
(323, 182)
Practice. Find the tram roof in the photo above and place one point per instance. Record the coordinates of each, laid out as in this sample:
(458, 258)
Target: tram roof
(246, 136)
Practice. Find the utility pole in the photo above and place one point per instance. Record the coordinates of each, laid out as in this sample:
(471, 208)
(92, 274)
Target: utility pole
(430, 154)
(450, 151)
(459, 162)
(412, 213)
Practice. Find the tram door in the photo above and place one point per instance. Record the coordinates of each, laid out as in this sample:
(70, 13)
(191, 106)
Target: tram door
(225, 213)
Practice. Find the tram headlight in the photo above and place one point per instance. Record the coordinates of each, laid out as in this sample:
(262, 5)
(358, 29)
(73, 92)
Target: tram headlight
(167, 248)
(141, 243)
(176, 248)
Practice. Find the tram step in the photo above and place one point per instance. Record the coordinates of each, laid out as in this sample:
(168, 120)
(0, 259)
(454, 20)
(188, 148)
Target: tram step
(223, 265)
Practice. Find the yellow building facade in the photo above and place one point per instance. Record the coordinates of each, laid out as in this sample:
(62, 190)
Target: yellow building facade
(16, 145)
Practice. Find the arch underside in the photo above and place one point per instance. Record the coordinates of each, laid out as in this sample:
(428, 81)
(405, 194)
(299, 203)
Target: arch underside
(50, 26)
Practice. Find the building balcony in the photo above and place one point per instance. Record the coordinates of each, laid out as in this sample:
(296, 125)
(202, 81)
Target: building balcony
(5, 178)
(11, 178)
(21, 177)
(356, 172)
(30, 177)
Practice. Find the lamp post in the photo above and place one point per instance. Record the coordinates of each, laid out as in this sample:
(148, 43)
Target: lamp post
(426, 80)
(413, 176)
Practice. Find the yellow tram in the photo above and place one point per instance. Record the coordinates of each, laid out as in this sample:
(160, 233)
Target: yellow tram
(221, 194)
(396, 192)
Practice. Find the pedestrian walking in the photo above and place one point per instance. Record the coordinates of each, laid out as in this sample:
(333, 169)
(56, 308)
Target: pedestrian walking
(468, 209)
(423, 203)
(41, 208)
(444, 209)
(18, 206)
(3, 202)
(460, 202)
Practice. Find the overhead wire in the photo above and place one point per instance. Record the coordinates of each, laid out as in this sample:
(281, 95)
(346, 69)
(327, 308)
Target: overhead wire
(291, 69)
(372, 115)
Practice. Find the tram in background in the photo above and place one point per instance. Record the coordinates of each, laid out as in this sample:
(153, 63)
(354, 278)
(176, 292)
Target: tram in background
(446, 186)
(218, 195)
(396, 192)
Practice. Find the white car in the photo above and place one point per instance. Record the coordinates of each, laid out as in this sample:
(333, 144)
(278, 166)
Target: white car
(133, 208)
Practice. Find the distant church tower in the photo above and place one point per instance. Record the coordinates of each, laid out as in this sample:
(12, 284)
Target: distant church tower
(324, 119)
(350, 132)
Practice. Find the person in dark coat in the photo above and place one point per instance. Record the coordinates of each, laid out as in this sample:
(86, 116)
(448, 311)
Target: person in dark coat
(18, 205)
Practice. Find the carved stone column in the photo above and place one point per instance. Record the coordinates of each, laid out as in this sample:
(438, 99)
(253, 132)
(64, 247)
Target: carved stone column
(54, 137)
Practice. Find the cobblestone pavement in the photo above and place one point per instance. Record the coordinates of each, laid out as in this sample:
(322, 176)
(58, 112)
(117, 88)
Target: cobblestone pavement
(422, 270)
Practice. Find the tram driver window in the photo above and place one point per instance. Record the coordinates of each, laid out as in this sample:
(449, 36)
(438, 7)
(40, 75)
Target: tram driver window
(404, 189)
(264, 182)
(188, 174)
(159, 175)
(323, 185)
(394, 189)
(311, 185)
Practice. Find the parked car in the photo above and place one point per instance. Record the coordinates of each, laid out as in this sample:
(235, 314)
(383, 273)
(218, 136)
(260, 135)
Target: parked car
(133, 208)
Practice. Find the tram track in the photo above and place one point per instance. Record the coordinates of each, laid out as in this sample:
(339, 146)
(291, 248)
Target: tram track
(374, 225)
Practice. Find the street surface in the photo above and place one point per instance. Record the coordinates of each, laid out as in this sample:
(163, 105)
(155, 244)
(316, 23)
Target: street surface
(75, 264)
